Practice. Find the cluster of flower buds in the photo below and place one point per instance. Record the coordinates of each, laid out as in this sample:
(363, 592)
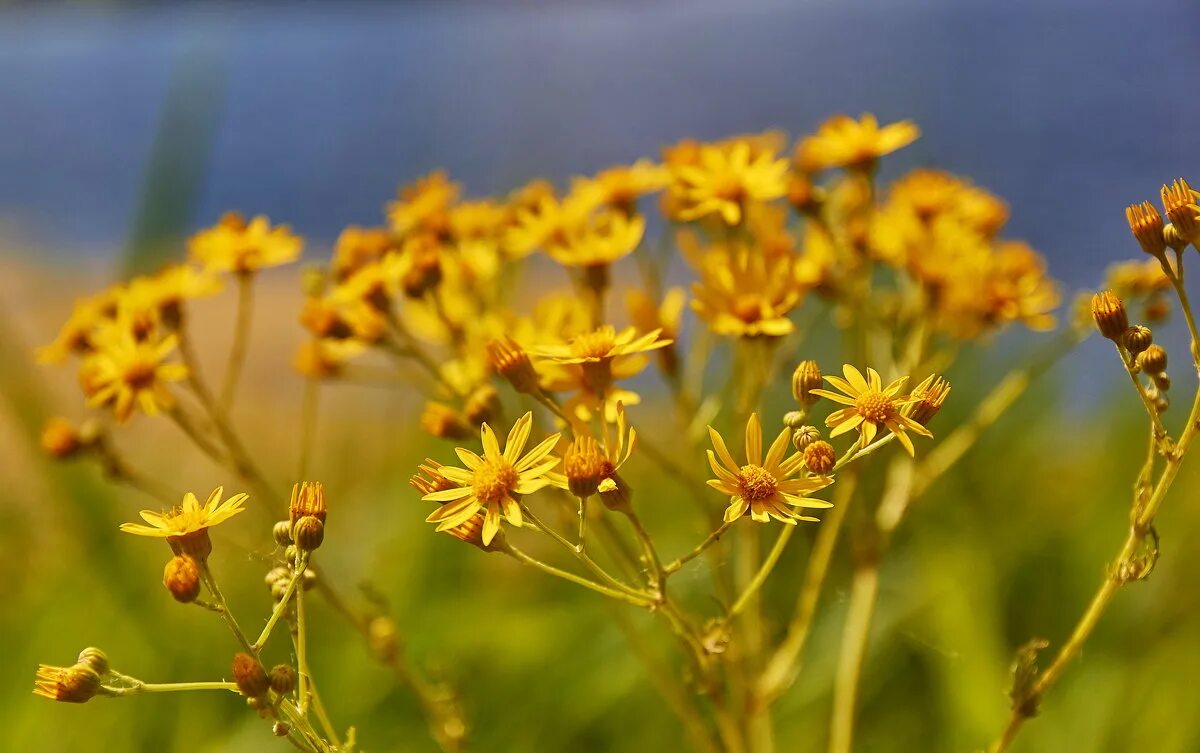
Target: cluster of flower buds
(1136, 344)
(805, 379)
(307, 515)
(1147, 225)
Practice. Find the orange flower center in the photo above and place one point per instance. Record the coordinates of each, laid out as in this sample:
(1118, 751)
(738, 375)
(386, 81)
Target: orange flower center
(139, 375)
(874, 406)
(493, 481)
(756, 483)
(730, 188)
(598, 344)
(748, 308)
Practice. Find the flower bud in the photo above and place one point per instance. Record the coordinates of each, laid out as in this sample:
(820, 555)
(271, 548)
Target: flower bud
(308, 498)
(927, 399)
(509, 360)
(282, 678)
(1174, 238)
(804, 436)
(60, 439)
(584, 466)
(819, 457)
(94, 658)
(1180, 205)
(482, 405)
(75, 684)
(441, 421)
(282, 532)
(250, 676)
(470, 531)
(381, 637)
(805, 378)
(1137, 338)
(309, 533)
(616, 494)
(1153, 360)
(181, 577)
(793, 419)
(1147, 227)
(1162, 381)
(1109, 314)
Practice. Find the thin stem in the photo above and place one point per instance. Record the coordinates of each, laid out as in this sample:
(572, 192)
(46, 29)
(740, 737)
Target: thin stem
(521, 556)
(167, 687)
(581, 542)
(709, 541)
(760, 577)
(302, 668)
(582, 557)
(219, 599)
(281, 606)
(648, 550)
(241, 338)
(863, 591)
(783, 665)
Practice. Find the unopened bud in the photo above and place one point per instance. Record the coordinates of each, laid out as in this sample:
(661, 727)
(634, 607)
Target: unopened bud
(1153, 360)
(804, 436)
(308, 498)
(282, 532)
(793, 419)
(1109, 314)
(250, 676)
(1162, 381)
(585, 466)
(282, 678)
(1137, 338)
(309, 533)
(482, 405)
(805, 378)
(819, 457)
(509, 360)
(94, 658)
(181, 577)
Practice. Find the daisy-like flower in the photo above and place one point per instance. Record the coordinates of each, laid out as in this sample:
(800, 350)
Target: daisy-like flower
(494, 482)
(602, 240)
(843, 141)
(75, 336)
(594, 352)
(161, 296)
(620, 187)
(872, 407)
(234, 245)
(125, 372)
(763, 486)
(725, 180)
(423, 204)
(78, 683)
(186, 527)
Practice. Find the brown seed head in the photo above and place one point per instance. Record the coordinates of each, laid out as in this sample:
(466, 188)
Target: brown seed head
(1153, 360)
(1147, 226)
(1137, 338)
(1108, 311)
(181, 576)
(819, 457)
(250, 676)
(308, 498)
(805, 378)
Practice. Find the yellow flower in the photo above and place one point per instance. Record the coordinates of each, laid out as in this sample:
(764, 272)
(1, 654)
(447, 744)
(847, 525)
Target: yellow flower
(548, 222)
(189, 517)
(495, 482)
(843, 141)
(124, 372)
(763, 486)
(602, 240)
(665, 317)
(423, 204)
(162, 294)
(233, 245)
(743, 293)
(725, 180)
(603, 344)
(872, 407)
(358, 246)
(75, 336)
(620, 187)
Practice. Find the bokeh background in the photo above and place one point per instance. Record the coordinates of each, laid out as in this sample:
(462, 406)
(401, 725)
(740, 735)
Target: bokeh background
(125, 127)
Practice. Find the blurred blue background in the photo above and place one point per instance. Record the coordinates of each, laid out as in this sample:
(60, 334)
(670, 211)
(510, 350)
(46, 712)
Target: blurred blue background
(313, 113)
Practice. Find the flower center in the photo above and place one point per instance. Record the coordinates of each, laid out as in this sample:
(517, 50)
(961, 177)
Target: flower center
(730, 188)
(756, 483)
(493, 480)
(874, 406)
(596, 344)
(748, 308)
(139, 375)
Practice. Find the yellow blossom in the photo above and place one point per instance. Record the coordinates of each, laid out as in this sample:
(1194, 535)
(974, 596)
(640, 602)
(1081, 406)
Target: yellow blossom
(725, 180)
(872, 407)
(764, 486)
(234, 245)
(125, 373)
(494, 482)
(843, 141)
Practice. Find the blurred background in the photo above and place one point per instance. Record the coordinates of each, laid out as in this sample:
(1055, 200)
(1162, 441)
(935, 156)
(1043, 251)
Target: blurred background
(124, 127)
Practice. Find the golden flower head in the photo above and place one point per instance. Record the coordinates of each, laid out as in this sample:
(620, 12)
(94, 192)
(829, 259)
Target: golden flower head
(186, 527)
(843, 141)
(308, 499)
(724, 180)
(181, 577)
(1179, 201)
(601, 240)
(763, 487)
(78, 683)
(927, 399)
(75, 335)
(819, 457)
(744, 293)
(872, 407)
(594, 351)
(1147, 226)
(1108, 311)
(494, 482)
(584, 465)
(508, 359)
(620, 187)
(423, 205)
(234, 245)
(124, 372)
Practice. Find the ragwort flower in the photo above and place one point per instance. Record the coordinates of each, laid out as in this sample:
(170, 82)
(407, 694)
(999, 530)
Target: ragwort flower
(843, 141)
(494, 482)
(763, 486)
(872, 407)
(186, 527)
(234, 245)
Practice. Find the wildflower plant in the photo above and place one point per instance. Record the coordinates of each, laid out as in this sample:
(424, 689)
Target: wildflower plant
(763, 245)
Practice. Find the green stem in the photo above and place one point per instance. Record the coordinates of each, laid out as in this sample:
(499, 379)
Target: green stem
(241, 338)
(521, 556)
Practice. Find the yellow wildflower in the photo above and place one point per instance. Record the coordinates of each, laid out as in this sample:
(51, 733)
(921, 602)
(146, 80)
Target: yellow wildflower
(125, 372)
(843, 141)
(872, 407)
(763, 487)
(620, 187)
(602, 240)
(494, 482)
(423, 204)
(725, 180)
(233, 245)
